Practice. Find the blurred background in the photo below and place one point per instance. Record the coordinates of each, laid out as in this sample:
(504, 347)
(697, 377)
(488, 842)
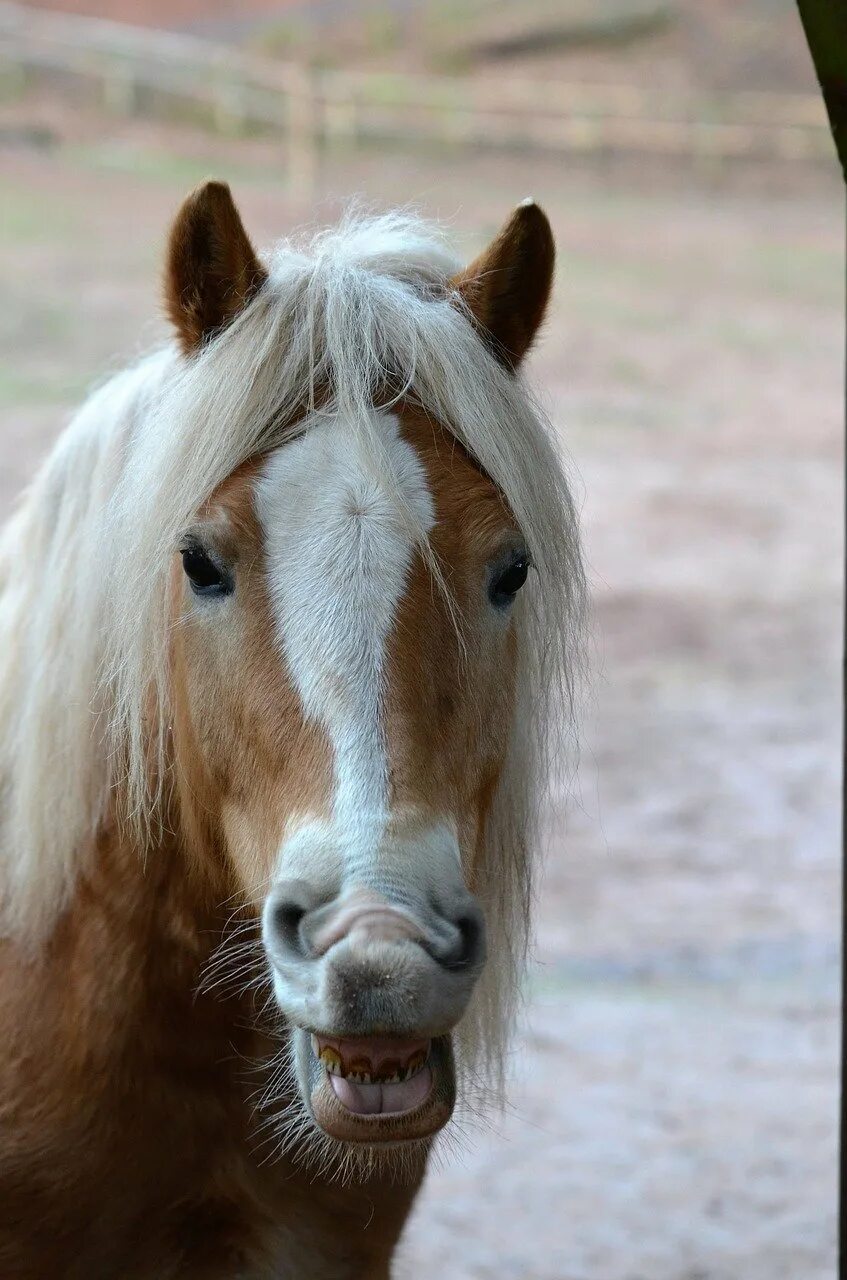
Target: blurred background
(673, 1108)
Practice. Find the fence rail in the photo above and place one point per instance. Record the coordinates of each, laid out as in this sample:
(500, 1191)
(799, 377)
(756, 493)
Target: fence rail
(135, 68)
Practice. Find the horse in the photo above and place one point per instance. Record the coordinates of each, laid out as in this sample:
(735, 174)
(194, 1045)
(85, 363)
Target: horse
(289, 627)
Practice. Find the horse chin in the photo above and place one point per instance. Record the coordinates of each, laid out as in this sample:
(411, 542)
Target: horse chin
(377, 1092)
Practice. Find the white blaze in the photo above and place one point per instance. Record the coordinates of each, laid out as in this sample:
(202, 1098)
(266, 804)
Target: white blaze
(339, 548)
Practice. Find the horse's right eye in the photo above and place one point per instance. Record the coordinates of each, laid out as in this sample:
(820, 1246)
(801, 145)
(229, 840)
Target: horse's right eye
(204, 575)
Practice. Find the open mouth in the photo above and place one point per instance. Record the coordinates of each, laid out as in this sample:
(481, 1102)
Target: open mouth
(376, 1077)
(379, 1089)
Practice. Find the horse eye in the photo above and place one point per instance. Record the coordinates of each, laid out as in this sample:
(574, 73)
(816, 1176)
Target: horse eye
(507, 582)
(204, 575)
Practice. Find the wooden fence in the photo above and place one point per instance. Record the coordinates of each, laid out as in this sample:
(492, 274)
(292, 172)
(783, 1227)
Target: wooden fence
(140, 70)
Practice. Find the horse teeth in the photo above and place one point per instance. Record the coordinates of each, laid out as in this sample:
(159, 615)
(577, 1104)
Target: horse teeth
(331, 1060)
(361, 1071)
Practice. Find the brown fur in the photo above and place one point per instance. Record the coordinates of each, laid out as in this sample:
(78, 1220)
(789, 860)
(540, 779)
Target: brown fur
(131, 1147)
(128, 1142)
(211, 269)
(507, 288)
(248, 761)
(447, 713)
(446, 718)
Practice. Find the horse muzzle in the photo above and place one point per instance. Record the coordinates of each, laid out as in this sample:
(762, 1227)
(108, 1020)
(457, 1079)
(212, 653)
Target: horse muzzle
(373, 989)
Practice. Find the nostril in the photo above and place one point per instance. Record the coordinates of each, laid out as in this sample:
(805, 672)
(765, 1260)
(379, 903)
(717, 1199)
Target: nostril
(469, 945)
(285, 913)
(286, 919)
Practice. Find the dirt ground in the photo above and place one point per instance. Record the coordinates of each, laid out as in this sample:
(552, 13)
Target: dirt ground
(673, 1109)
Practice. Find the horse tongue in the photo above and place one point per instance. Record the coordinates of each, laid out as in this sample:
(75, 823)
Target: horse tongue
(405, 1095)
(363, 1099)
(372, 1099)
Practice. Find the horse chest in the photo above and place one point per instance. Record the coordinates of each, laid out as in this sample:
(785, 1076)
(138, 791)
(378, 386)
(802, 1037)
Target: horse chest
(130, 1148)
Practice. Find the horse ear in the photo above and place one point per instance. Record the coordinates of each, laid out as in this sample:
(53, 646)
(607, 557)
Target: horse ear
(506, 289)
(211, 269)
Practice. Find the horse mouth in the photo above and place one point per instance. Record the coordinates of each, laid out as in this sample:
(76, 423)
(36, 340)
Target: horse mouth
(381, 1090)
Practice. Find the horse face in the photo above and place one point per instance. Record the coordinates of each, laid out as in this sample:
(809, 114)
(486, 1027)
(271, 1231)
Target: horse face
(345, 674)
(348, 715)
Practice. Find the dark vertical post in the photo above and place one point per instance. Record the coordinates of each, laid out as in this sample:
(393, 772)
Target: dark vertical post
(825, 24)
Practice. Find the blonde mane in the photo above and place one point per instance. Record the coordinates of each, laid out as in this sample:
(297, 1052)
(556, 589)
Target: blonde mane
(361, 312)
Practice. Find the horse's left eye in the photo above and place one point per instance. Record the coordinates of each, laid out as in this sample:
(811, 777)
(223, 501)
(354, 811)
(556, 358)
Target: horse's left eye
(506, 584)
(204, 575)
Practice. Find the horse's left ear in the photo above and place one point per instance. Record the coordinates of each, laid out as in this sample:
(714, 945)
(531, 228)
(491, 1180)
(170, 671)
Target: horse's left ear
(506, 289)
(211, 269)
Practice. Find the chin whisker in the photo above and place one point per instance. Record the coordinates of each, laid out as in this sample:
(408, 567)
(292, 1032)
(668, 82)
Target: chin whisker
(282, 1126)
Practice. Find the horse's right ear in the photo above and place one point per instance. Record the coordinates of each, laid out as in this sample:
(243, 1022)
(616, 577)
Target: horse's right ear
(211, 269)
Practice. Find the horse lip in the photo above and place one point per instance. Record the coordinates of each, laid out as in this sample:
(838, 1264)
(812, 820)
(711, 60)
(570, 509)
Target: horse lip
(389, 1127)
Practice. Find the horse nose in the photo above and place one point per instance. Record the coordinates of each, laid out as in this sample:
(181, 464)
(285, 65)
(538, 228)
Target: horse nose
(301, 927)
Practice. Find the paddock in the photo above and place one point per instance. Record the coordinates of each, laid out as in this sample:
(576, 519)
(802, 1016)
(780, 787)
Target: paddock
(674, 1106)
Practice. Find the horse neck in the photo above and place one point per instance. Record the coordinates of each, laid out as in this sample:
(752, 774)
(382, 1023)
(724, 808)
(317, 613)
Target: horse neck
(112, 1049)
